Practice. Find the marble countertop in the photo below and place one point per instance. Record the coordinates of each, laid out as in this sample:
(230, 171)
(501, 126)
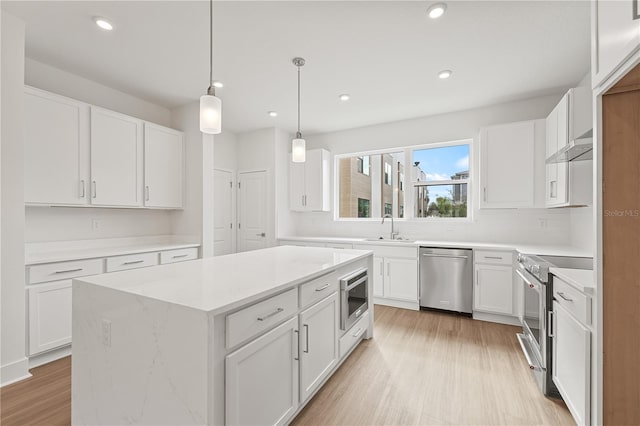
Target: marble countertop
(540, 249)
(219, 284)
(582, 279)
(36, 253)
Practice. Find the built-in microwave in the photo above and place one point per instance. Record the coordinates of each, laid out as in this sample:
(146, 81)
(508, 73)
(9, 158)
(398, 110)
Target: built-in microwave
(354, 297)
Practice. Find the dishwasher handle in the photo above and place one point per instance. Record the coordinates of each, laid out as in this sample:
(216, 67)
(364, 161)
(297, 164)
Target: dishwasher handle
(450, 256)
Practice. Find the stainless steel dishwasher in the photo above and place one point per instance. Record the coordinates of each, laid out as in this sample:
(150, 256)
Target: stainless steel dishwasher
(446, 279)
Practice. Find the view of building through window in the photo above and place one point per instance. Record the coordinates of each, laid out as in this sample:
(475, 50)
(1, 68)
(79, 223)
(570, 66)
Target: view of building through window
(371, 186)
(441, 179)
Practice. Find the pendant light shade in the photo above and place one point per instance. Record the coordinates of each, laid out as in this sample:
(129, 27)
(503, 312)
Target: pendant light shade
(298, 150)
(298, 145)
(210, 104)
(210, 114)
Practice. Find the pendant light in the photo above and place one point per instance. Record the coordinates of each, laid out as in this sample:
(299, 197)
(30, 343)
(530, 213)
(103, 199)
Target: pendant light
(298, 145)
(210, 104)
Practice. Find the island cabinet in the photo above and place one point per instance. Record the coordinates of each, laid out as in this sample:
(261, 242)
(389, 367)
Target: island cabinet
(241, 340)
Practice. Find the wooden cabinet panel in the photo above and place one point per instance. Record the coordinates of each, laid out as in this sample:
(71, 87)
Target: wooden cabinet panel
(261, 379)
(56, 149)
(163, 166)
(318, 344)
(116, 159)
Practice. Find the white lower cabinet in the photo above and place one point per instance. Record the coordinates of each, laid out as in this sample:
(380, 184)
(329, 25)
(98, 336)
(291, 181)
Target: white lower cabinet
(318, 344)
(378, 276)
(493, 292)
(401, 279)
(261, 378)
(49, 316)
(572, 363)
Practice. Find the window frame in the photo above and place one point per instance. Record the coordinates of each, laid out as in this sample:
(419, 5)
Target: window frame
(409, 182)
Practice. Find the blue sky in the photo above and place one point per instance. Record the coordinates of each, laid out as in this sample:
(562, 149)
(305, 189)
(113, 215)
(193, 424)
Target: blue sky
(441, 164)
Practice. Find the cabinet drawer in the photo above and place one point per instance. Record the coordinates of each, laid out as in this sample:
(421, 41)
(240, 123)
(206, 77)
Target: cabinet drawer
(131, 261)
(64, 270)
(577, 303)
(180, 255)
(354, 335)
(257, 318)
(494, 257)
(318, 289)
(387, 251)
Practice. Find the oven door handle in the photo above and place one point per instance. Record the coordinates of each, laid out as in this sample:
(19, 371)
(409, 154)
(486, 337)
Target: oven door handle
(526, 280)
(348, 286)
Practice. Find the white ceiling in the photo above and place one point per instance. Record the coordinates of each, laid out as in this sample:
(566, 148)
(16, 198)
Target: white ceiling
(386, 54)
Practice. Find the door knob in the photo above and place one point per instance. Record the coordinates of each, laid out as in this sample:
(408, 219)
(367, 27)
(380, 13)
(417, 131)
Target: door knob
(261, 235)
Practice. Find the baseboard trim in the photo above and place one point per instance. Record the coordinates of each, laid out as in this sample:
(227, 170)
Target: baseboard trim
(396, 303)
(50, 356)
(14, 372)
(500, 319)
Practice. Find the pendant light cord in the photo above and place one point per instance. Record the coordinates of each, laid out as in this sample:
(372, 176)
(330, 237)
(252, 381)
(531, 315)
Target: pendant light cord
(212, 90)
(299, 134)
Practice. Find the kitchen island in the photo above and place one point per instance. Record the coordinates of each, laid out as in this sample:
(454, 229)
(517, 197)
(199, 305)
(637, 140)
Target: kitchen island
(246, 338)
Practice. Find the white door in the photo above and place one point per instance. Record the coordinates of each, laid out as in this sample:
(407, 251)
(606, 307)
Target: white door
(222, 212)
(572, 363)
(494, 289)
(507, 165)
(49, 316)
(318, 344)
(116, 159)
(253, 212)
(401, 279)
(56, 149)
(378, 276)
(261, 380)
(163, 160)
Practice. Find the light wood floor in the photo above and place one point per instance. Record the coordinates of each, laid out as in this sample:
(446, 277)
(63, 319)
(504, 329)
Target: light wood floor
(421, 368)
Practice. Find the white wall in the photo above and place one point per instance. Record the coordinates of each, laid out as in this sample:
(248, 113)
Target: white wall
(57, 224)
(285, 224)
(14, 364)
(540, 226)
(224, 151)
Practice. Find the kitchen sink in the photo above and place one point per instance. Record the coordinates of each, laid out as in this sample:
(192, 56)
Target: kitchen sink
(389, 240)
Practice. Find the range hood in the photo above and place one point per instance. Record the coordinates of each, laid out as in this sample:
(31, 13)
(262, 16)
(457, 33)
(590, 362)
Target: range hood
(576, 150)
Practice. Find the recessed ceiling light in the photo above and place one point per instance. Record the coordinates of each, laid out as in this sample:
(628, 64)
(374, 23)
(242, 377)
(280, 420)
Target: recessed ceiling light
(345, 97)
(444, 74)
(103, 23)
(218, 84)
(273, 113)
(436, 10)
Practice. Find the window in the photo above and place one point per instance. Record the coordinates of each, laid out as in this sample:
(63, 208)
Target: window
(387, 173)
(363, 165)
(363, 208)
(365, 185)
(441, 180)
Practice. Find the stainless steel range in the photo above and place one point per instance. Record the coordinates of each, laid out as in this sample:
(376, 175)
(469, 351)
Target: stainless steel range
(537, 316)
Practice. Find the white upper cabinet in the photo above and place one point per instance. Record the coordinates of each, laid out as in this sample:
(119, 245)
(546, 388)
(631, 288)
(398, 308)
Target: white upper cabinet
(116, 159)
(615, 36)
(163, 166)
(507, 165)
(56, 149)
(309, 182)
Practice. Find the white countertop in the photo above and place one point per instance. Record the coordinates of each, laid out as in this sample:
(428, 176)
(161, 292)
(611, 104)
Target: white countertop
(582, 279)
(549, 250)
(60, 251)
(218, 284)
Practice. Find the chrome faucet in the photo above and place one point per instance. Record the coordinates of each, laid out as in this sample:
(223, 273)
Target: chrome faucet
(394, 234)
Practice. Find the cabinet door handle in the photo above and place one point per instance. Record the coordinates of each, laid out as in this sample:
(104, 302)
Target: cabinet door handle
(302, 200)
(553, 189)
(477, 278)
(66, 271)
(179, 256)
(358, 332)
(484, 190)
(296, 346)
(82, 194)
(388, 268)
(323, 287)
(133, 262)
(146, 193)
(561, 294)
(306, 338)
(276, 312)
(549, 322)
(493, 257)
(94, 189)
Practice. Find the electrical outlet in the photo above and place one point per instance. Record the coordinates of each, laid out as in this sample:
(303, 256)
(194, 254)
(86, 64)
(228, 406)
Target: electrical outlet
(542, 223)
(96, 225)
(106, 332)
